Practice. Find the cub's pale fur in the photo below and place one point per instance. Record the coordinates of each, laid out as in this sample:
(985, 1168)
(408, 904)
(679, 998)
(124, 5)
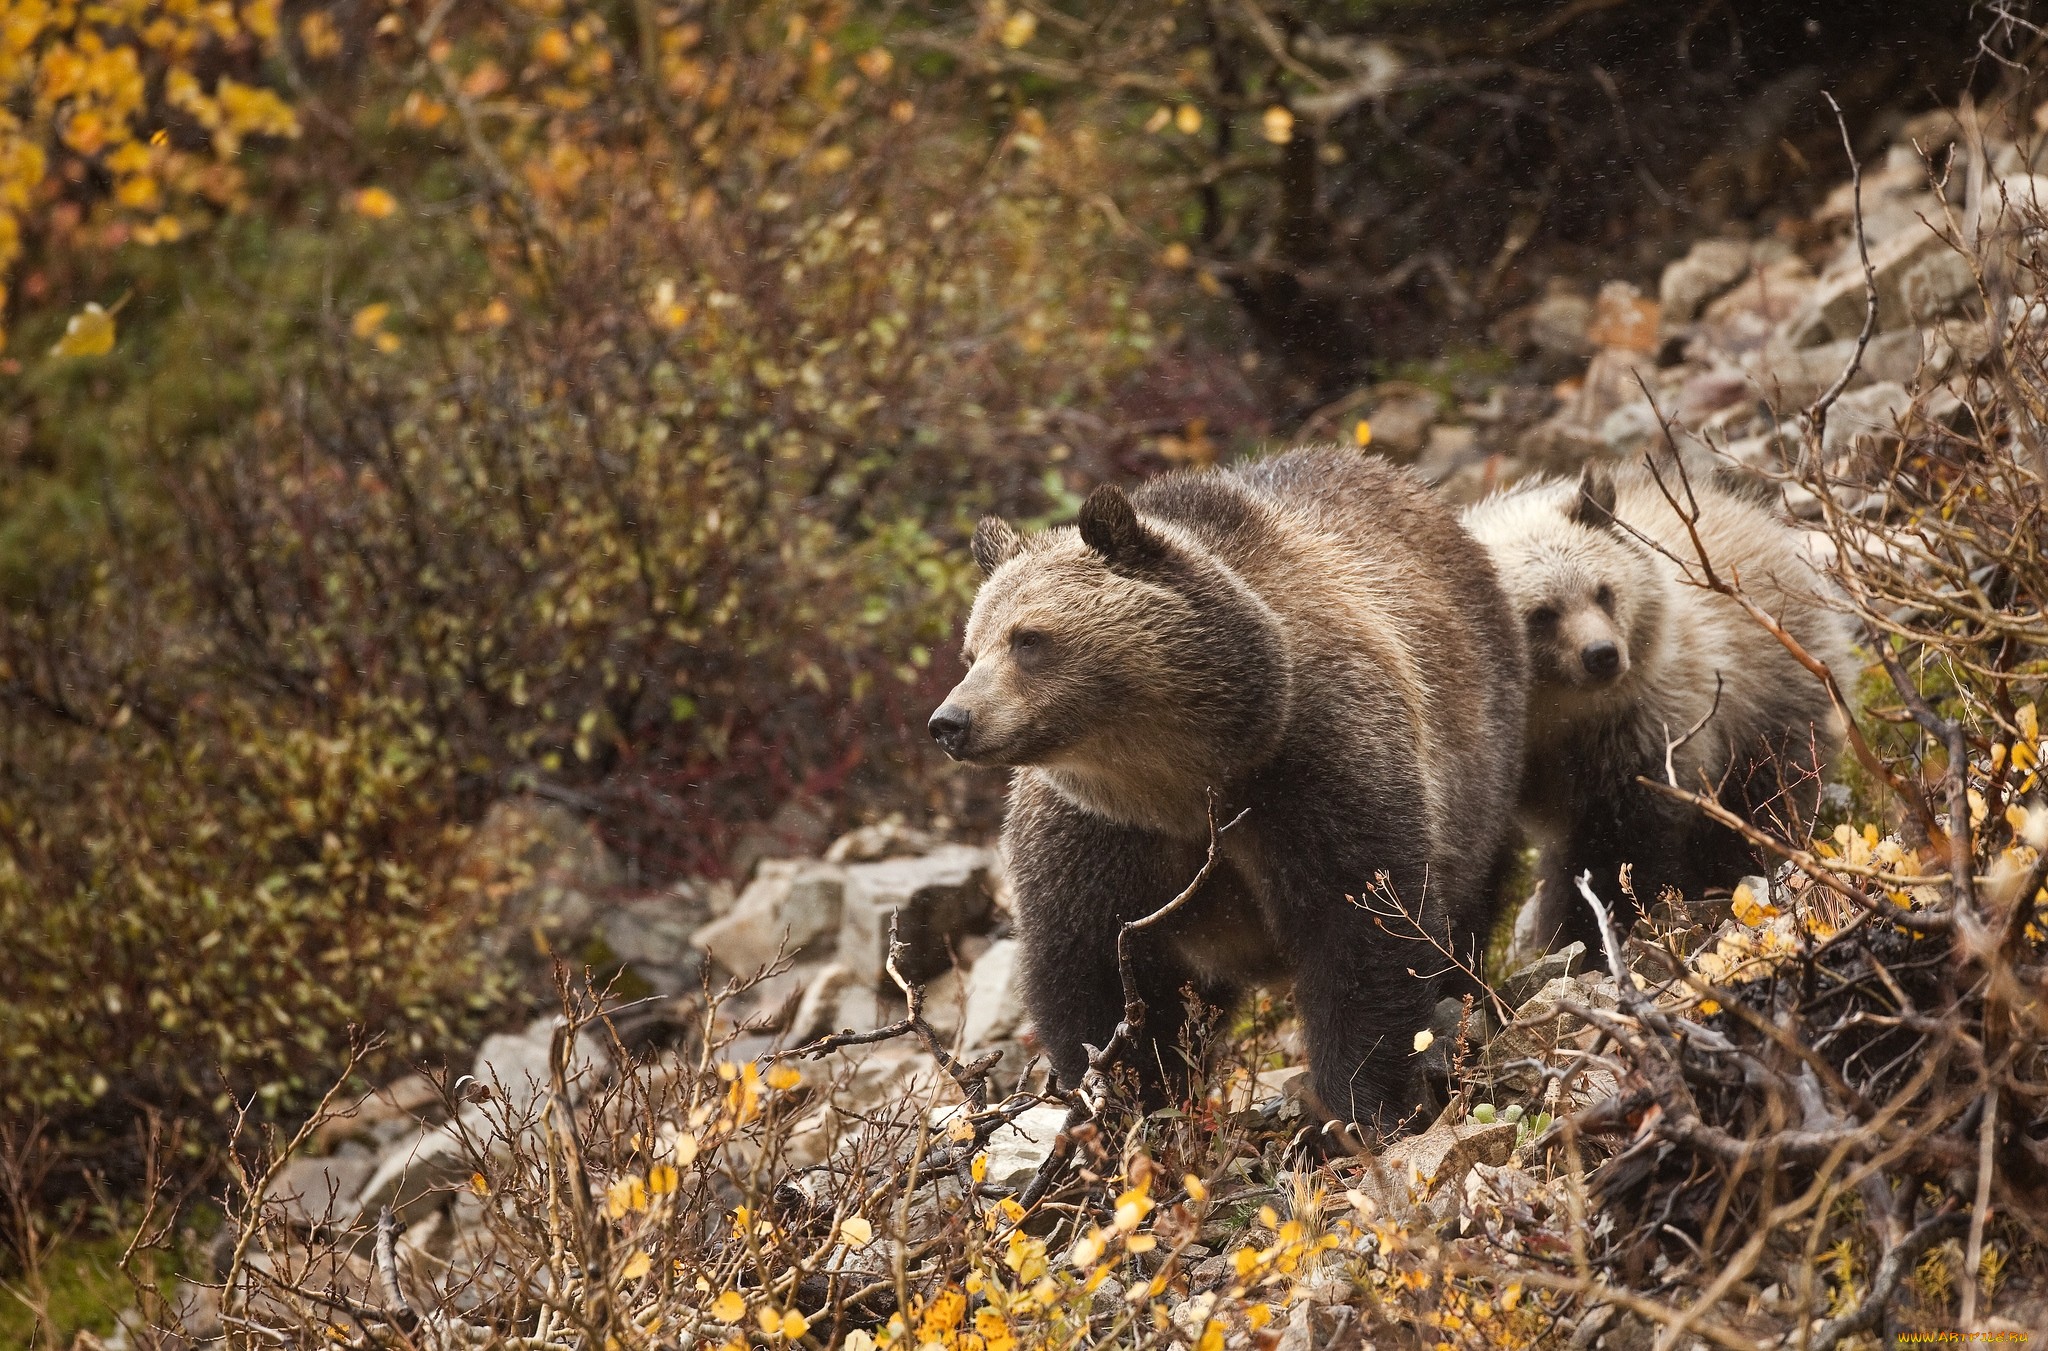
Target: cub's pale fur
(1625, 656)
(1313, 638)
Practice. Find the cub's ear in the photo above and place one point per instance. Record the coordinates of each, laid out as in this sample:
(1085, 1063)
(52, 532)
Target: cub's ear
(1594, 506)
(1111, 527)
(996, 542)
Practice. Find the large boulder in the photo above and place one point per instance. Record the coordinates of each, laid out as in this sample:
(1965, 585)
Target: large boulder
(1919, 276)
(316, 1191)
(791, 907)
(651, 936)
(798, 828)
(995, 1000)
(945, 894)
(1710, 268)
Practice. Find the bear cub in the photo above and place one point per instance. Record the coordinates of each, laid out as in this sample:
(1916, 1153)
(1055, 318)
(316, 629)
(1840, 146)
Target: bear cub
(1626, 656)
(1313, 639)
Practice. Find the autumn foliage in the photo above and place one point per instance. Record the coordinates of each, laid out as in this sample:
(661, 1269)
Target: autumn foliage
(606, 412)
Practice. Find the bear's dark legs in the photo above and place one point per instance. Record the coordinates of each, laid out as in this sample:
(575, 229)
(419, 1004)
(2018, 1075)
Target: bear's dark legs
(1078, 879)
(1360, 1020)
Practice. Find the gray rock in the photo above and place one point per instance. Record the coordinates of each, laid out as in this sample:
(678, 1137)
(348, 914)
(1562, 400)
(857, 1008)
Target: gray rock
(1865, 418)
(995, 1000)
(553, 873)
(1401, 422)
(417, 1177)
(884, 839)
(1016, 1150)
(413, 1097)
(1558, 324)
(1712, 267)
(516, 1065)
(945, 1000)
(1518, 988)
(791, 908)
(314, 1191)
(651, 934)
(939, 896)
(799, 828)
(818, 1012)
(1918, 276)
(1442, 1155)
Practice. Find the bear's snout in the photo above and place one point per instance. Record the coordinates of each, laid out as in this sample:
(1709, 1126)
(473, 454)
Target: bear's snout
(950, 727)
(1602, 659)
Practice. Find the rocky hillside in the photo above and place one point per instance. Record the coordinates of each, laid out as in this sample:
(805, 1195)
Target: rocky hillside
(807, 1109)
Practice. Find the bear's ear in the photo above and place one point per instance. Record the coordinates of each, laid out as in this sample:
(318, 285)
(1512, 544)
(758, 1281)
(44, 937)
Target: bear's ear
(1110, 526)
(996, 542)
(1594, 506)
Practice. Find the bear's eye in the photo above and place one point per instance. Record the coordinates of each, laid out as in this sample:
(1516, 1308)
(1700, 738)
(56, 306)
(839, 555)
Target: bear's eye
(1543, 619)
(1603, 597)
(1026, 640)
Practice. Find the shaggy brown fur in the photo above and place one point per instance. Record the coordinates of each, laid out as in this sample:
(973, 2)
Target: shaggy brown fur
(1626, 655)
(1313, 638)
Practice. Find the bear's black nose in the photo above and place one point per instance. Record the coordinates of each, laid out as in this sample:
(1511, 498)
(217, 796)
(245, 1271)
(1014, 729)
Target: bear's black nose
(949, 727)
(1600, 659)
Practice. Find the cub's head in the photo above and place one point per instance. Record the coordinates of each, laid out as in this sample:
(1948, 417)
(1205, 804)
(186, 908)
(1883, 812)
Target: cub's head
(1588, 593)
(1113, 648)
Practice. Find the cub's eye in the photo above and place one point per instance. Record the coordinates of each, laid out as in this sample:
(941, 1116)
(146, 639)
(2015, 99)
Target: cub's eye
(1543, 618)
(1604, 597)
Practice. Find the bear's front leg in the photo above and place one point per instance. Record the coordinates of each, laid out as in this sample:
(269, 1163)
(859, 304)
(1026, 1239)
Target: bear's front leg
(1078, 879)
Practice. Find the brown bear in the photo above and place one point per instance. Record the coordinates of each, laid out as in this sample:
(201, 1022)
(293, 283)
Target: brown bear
(1627, 655)
(1313, 639)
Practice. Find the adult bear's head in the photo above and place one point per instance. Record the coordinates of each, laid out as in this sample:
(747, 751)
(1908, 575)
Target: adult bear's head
(1123, 657)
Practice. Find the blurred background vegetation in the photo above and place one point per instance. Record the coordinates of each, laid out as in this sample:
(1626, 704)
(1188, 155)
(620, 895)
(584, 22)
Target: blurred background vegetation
(410, 403)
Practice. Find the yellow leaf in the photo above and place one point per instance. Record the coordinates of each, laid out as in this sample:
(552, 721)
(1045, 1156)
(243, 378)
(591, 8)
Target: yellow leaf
(2029, 720)
(479, 1184)
(319, 36)
(1244, 1261)
(994, 1330)
(795, 1325)
(1710, 1007)
(661, 1179)
(1160, 117)
(1019, 28)
(1137, 1243)
(1212, 1337)
(369, 319)
(637, 1266)
(942, 1317)
(387, 343)
(1258, 1315)
(553, 47)
(1748, 909)
(856, 1232)
(1196, 1189)
(784, 1077)
(90, 333)
(961, 1132)
(769, 1319)
(1423, 1039)
(729, 1307)
(1362, 433)
(1187, 119)
(1277, 125)
(1175, 256)
(875, 63)
(979, 1168)
(374, 203)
